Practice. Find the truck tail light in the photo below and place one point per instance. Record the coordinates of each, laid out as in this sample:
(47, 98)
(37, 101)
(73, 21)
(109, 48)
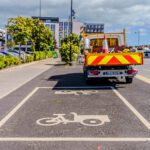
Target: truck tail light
(94, 72)
(132, 72)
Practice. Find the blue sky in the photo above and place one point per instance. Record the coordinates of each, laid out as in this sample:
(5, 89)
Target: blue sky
(134, 15)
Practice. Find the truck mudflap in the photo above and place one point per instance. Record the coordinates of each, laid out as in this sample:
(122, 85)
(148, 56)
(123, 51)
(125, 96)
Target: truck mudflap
(114, 59)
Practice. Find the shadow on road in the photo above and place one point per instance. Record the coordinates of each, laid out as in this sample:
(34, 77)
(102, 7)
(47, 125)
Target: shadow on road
(77, 80)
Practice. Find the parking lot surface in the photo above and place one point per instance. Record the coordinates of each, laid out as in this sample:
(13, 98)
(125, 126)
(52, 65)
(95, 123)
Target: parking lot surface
(58, 110)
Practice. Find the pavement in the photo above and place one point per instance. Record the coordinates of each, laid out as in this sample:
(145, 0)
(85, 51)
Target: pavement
(57, 110)
(14, 77)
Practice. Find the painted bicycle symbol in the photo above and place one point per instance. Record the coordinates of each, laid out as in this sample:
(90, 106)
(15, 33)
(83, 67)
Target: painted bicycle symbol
(87, 120)
(76, 92)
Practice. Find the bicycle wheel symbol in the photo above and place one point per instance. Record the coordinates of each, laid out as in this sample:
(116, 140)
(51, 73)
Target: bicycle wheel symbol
(47, 122)
(92, 122)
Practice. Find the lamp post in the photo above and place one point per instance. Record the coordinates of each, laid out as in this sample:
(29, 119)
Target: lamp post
(40, 6)
(138, 33)
(71, 27)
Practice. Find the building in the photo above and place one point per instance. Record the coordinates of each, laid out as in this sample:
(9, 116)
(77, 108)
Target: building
(2, 38)
(65, 28)
(60, 27)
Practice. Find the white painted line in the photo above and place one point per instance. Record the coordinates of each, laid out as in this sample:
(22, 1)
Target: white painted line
(11, 113)
(70, 139)
(138, 115)
(144, 79)
(82, 87)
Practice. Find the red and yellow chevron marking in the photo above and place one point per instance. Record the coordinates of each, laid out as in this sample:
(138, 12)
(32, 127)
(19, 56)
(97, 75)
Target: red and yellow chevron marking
(114, 59)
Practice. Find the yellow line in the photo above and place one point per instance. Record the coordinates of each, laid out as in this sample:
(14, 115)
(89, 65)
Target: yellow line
(144, 79)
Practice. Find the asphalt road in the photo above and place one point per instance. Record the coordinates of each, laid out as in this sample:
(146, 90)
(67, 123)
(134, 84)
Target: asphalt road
(145, 70)
(107, 115)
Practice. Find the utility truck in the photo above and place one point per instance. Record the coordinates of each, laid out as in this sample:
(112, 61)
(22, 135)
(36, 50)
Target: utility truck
(107, 56)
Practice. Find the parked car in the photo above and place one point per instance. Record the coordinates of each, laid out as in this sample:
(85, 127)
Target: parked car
(7, 53)
(23, 48)
(1, 54)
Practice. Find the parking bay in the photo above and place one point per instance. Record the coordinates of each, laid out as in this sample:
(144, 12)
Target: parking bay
(46, 102)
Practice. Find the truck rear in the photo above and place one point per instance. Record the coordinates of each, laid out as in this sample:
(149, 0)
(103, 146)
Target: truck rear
(117, 62)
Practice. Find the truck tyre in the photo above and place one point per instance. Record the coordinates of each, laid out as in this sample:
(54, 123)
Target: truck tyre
(129, 80)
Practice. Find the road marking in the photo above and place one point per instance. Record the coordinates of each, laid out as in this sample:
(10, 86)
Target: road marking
(70, 139)
(82, 87)
(138, 115)
(93, 120)
(11, 113)
(142, 78)
(76, 92)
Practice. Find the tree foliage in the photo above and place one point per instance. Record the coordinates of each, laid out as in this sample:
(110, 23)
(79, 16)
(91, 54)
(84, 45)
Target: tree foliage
(65, 48)
(20, 30)
(28, 29)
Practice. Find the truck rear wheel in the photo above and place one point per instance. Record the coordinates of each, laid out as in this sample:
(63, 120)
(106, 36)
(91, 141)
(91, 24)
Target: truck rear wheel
(129, 80)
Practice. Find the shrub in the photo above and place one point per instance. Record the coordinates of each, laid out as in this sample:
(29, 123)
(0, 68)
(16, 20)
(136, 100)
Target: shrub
(65, 48)
(36, 56)
(29, 58)
(42, 55)
(8, 61)
(49, 54)
(16, 61)
(39, 55)
(55, 54)
(2, 63)
(65, 52)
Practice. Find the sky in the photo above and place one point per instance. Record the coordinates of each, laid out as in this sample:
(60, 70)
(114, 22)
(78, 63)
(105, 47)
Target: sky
(134, 15)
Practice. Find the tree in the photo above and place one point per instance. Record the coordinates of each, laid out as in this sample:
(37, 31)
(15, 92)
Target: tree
(27, 29)
(65, 48)
(42, 37)
(20, 30)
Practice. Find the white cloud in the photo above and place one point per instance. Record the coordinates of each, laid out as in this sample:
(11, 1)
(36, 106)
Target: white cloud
(110, 12)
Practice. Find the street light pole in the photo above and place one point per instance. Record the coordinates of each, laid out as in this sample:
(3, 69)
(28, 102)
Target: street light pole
(40, 6)
(138, 33)
(71, 28)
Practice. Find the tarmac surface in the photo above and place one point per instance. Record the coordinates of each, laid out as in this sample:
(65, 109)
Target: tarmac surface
(57, 110)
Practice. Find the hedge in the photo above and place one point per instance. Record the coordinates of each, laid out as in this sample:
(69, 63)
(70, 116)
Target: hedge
(49, 54)
(42, 55)
(29, 58)
(8, 61)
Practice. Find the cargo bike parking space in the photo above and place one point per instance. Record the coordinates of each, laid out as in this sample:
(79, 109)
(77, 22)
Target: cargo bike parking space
(72, 112)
